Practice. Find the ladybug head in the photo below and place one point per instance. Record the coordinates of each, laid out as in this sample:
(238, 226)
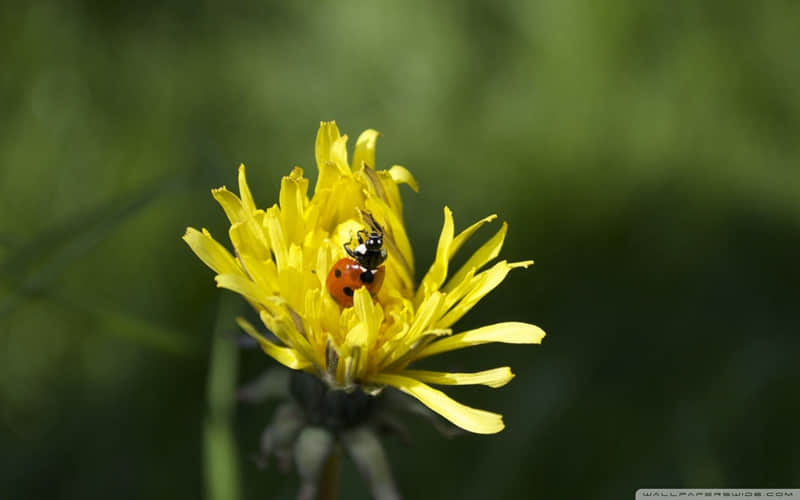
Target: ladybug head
(374, 241)
(370, 252)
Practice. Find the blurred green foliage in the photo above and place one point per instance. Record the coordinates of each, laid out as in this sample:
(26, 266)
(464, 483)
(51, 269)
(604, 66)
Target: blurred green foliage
(644, 153)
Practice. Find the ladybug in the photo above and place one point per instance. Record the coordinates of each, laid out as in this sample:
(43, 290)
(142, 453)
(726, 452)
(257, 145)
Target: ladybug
(362, 268)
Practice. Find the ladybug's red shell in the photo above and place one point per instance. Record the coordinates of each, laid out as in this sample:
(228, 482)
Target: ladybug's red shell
(347, 276)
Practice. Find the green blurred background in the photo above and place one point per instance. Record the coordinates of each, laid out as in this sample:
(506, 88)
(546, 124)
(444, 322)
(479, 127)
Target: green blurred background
(645, 154)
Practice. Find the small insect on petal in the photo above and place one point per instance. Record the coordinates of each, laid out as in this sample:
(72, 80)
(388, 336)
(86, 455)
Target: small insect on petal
(362, 268)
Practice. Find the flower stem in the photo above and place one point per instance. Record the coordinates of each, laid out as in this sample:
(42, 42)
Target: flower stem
(329, 482)
(221, 454)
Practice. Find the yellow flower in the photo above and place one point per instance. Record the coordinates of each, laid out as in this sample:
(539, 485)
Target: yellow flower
(280, 262)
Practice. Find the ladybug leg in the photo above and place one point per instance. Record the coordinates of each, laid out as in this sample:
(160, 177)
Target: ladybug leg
(349, 251)
(360, 237)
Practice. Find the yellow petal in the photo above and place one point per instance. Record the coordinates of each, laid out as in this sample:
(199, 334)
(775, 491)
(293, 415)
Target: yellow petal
(401, 353)
(497, 377)
(484, 283)
(438, 271)
(243, 286)
(339, 201)
(277, 237)
(401, 175)
(262, 271)
(339, 154)
(230, 203)
(509, 333)
(311, 317)
(291, 278)
(284, 355)
(327, 134)
(279, 322)
(395, 239)
(293, 200)
(369, 314)
(365, 149)
(471, 419)
(248, 239)
(238, 213)
(210, 251)
(244, 191)
(481, 257)
(325, 258)
(429, 311)
(362, 326)
(454, 296)
(372, 181)
(390, 193)
(466, 234)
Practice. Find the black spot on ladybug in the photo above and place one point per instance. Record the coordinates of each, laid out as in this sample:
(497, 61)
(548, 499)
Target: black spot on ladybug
(337, 273)
(367, 277)
(348, 291)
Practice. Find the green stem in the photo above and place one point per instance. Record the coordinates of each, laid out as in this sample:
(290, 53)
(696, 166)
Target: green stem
(329, 482)
(221, 453)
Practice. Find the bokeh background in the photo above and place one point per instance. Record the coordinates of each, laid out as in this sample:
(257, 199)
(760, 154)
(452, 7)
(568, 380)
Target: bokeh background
(645, 154)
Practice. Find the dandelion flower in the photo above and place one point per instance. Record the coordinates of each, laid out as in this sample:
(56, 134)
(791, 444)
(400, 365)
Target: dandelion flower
(282, 257)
